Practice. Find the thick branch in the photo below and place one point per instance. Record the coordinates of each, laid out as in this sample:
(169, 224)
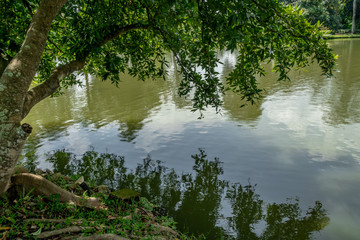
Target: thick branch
(117, 31)
(111, 32)
(22, 68)
(50, 86)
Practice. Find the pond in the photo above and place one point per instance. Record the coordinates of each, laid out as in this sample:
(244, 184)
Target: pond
(301, 141)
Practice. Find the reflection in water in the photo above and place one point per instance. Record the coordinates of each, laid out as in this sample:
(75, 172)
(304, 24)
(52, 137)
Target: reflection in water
(343, 100)
(194, 199)
(338, 96)
(98, 103)
(31, 157)
(303, 133)
(128, 131)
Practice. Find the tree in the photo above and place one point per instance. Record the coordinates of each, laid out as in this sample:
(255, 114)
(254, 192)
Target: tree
(353, 27)
(46, 42)
(349, 13)
(325, 11)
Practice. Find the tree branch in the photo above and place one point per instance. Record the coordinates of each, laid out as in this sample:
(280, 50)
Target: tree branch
(117, 31)
(50, 86)
(23, 67)
(50, 41)
(114, 31)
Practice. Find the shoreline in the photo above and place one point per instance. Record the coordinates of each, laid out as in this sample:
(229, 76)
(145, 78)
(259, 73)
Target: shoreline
(27, 214)
(341, 36)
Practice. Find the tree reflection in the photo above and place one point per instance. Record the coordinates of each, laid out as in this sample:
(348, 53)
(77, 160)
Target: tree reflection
(195, 199)
(30, 158)
(200, 203)
(101, 168)
(285, 221)
(246, 209)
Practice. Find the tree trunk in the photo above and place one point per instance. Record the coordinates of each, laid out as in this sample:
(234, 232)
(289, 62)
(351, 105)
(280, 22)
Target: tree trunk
(16, 100)
(353, 29)
(12, 140)
(15, 79)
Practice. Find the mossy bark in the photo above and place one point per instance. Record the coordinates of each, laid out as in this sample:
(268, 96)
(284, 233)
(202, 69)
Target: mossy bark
(16, 76)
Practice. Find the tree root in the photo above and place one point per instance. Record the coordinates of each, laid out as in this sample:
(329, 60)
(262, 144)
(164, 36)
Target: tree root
(77, 222)
(166, 231)
(73, 229)
(45, 220)
(41, 186)
(107, 236)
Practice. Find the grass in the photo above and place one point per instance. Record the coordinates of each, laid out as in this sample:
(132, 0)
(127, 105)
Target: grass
(340, 36)
(31, 217)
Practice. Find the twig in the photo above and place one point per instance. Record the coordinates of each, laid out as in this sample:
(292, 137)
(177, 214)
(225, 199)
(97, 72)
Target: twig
(55, 45)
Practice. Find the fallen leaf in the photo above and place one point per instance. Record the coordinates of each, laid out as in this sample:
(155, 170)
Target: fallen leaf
(37, 232)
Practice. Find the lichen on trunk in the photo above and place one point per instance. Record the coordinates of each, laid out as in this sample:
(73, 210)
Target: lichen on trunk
(12, 140)
(16, 76)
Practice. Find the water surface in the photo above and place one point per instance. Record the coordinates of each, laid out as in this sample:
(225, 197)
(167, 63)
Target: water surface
(301, 140)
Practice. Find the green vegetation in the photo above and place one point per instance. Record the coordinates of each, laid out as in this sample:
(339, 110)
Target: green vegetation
(49, 41)
(333, 14)
(338, 36)
(27, 216)
(193, 200)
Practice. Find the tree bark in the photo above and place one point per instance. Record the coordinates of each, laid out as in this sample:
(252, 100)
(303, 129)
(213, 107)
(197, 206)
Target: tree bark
(47, 88)
(16, 77)
(15, 81)
(353, 28)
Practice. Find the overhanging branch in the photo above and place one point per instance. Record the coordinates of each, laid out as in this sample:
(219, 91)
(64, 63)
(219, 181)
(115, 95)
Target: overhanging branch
(19, 71)
(50, 86)
(114, 31)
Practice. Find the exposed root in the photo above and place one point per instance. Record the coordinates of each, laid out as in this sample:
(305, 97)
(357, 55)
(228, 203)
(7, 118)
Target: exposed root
(78, 222)
(108, 236)
(45, 220)
(41, 186)
(73, 229)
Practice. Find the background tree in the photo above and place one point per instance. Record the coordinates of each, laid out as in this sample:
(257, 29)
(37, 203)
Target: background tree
(353, 27)
(47, 41)
(325, 11)
(349, 14)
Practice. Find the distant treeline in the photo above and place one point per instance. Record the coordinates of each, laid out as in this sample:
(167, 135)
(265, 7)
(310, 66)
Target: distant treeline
(334, 14)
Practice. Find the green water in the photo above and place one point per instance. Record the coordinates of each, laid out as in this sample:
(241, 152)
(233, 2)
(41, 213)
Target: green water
(301, 140)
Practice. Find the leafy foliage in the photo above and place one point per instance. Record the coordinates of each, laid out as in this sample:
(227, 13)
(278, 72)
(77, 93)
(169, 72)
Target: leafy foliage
(134, 36)
(333, 14)
(347, 13)
(325, 11)
(195, 199)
